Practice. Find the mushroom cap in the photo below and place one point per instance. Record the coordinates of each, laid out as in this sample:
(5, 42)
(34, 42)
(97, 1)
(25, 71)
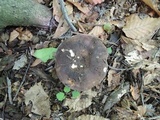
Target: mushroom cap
(81, 62)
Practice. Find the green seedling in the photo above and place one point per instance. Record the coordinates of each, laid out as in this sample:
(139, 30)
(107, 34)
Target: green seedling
(109, 50)
(45, 54)
(67, 89)
(107, 27)
(60, 96)
(75, 94)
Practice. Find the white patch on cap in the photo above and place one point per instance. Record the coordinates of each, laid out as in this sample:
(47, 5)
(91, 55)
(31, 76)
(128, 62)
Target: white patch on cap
(105, 69)
(71, 53)
(73, 66)
(62, 50)
(78, 57)
(81, 66)
(97, 57)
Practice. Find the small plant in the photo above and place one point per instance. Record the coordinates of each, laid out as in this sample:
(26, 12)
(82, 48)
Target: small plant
(75, 94)
(108, 27)
(45, 54)
(67, 89)
(109, 50)
(62, 95)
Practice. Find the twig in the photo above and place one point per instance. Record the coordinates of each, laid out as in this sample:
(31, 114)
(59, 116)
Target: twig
(9, 90)
(66, 15)
(122, 69)
(23, 80)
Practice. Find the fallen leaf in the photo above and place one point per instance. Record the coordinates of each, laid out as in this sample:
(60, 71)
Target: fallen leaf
(135, 92)
(14, 34)
(97, 30)
(83, 9)
(133, 57)
(153, 4)
(36, 62)
(39, 99)
(149, 77)
(113, 77)
(61, 29)
(26, 35)
(57, 13)
(141, 110)
(45, 54)
(20, 63)
(115, 96)
(150, 110)
(82, 102)
(137, 28)
(91, 117)
(95, 1)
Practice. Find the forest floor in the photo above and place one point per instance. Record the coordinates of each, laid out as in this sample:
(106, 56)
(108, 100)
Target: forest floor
(31, 90)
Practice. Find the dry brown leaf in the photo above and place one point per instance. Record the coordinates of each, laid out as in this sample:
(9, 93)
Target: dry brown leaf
(57, 13)
(149, 77)
(39, 99)
(85, 9)
(153, 4)
(141, 110)
(36, 62)
(95, 1)
(135, 92)
(97, 30)
(61, 29)
(90, 117)
(25, 35)
(14, 34)
(137, 28)
(80, 102)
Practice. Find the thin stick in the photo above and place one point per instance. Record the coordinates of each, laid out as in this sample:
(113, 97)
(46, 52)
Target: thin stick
(23, 80)
(66, 15)
(121, 69)
(9, 90)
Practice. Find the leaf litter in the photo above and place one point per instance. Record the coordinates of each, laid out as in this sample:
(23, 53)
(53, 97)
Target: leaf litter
(133, 61)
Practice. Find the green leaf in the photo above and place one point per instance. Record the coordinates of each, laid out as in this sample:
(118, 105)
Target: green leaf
(45, 54)
(67, 89)
(60, 96)
(75, 94)
(107, 27)
(109, 50)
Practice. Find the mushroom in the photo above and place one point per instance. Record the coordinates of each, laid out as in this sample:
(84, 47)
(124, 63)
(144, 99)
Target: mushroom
(81, 62)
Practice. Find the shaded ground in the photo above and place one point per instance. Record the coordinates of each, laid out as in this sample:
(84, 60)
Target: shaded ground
(131, 88)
